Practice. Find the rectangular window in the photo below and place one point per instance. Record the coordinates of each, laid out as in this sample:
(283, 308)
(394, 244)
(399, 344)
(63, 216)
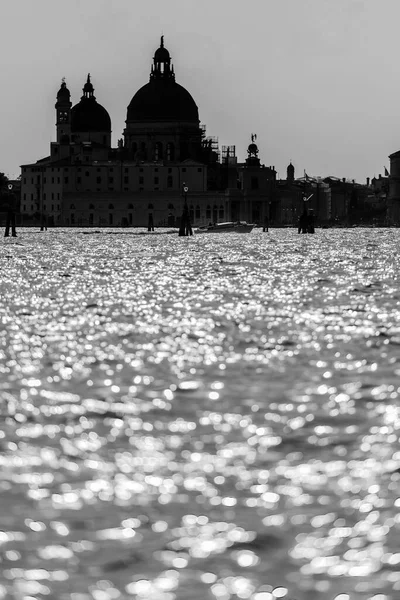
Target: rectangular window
(58, 196)
(44, 196)
(24, 196)
(126, 179)
(52, 207)
(98, 179)
(111, 180)
(44, 180)
(170, 181)
(126, 170)
(199, 170)
(155, 170)
(140, 170)
(58, 207)
(254, 183)
(44, 206)
(24, 179)
(79, 180)
(31, 196)
(98, 170)
(52, 180)
(58, 180)
(24, 208)
(155, 180)
(169, 170)
(52, 195)
(184, 170)
(66, 179)
(141, 180)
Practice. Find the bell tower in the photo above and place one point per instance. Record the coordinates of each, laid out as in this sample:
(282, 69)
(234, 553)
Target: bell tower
(63, 114)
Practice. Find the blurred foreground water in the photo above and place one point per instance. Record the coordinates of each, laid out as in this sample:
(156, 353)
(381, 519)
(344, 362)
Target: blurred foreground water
(204, 418)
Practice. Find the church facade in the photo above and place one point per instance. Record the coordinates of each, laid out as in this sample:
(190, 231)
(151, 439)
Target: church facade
(163, 160)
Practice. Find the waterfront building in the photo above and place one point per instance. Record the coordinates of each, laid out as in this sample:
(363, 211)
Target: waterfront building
(164, 150)
(290, 194)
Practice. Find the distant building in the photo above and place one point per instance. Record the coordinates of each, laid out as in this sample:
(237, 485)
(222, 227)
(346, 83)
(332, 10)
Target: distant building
(294, 195)
(86, 182)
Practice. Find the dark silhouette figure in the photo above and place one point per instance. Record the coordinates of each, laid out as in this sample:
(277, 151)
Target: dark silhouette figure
(9, 203)
(306, 223)
(266, 224)
(150, 226)
(43, 222)
(185, 228)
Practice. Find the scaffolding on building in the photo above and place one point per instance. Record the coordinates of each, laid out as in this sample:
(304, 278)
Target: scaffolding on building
(229, 155)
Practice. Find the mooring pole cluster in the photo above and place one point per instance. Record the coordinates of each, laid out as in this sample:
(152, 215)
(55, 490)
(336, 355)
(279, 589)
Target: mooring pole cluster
(185, 228)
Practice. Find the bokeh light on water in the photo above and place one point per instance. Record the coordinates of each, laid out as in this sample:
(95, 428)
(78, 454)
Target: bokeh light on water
(208, 418)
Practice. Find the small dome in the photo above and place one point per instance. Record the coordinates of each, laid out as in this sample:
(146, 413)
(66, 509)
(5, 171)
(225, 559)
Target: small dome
(252, 149)
(162, 100)
(162, 54)
(89, 115)
(63, 92)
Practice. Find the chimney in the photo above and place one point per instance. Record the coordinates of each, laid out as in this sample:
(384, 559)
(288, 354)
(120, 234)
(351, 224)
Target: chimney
(380, 176)
(368, 181)
(344, 179)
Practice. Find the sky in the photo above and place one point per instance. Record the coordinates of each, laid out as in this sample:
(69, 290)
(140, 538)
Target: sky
(318, 81)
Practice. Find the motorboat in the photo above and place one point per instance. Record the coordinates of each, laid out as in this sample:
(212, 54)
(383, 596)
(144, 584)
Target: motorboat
(227, 227)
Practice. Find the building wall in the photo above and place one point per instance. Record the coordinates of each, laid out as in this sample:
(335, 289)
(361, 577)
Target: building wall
(116, 209)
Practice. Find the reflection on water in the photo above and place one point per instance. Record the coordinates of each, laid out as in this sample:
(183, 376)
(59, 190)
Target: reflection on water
(209, 417)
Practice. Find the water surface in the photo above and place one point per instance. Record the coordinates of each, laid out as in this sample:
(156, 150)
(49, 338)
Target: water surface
(213, 417)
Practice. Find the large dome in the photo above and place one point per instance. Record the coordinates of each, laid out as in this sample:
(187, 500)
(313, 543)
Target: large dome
(89, 115)
(162, 100)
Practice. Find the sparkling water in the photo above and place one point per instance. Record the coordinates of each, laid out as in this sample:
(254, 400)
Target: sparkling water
(213, 417)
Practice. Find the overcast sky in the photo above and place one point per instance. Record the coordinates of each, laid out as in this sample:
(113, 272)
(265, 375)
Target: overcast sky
(318, 81)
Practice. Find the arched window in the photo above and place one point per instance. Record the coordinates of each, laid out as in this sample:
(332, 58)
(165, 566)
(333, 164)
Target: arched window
(130, 206)
(72, 207)
(170, 151)
(221, 212)
(208, 212)
(198, 212)
(111, 206)
(158, 151)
